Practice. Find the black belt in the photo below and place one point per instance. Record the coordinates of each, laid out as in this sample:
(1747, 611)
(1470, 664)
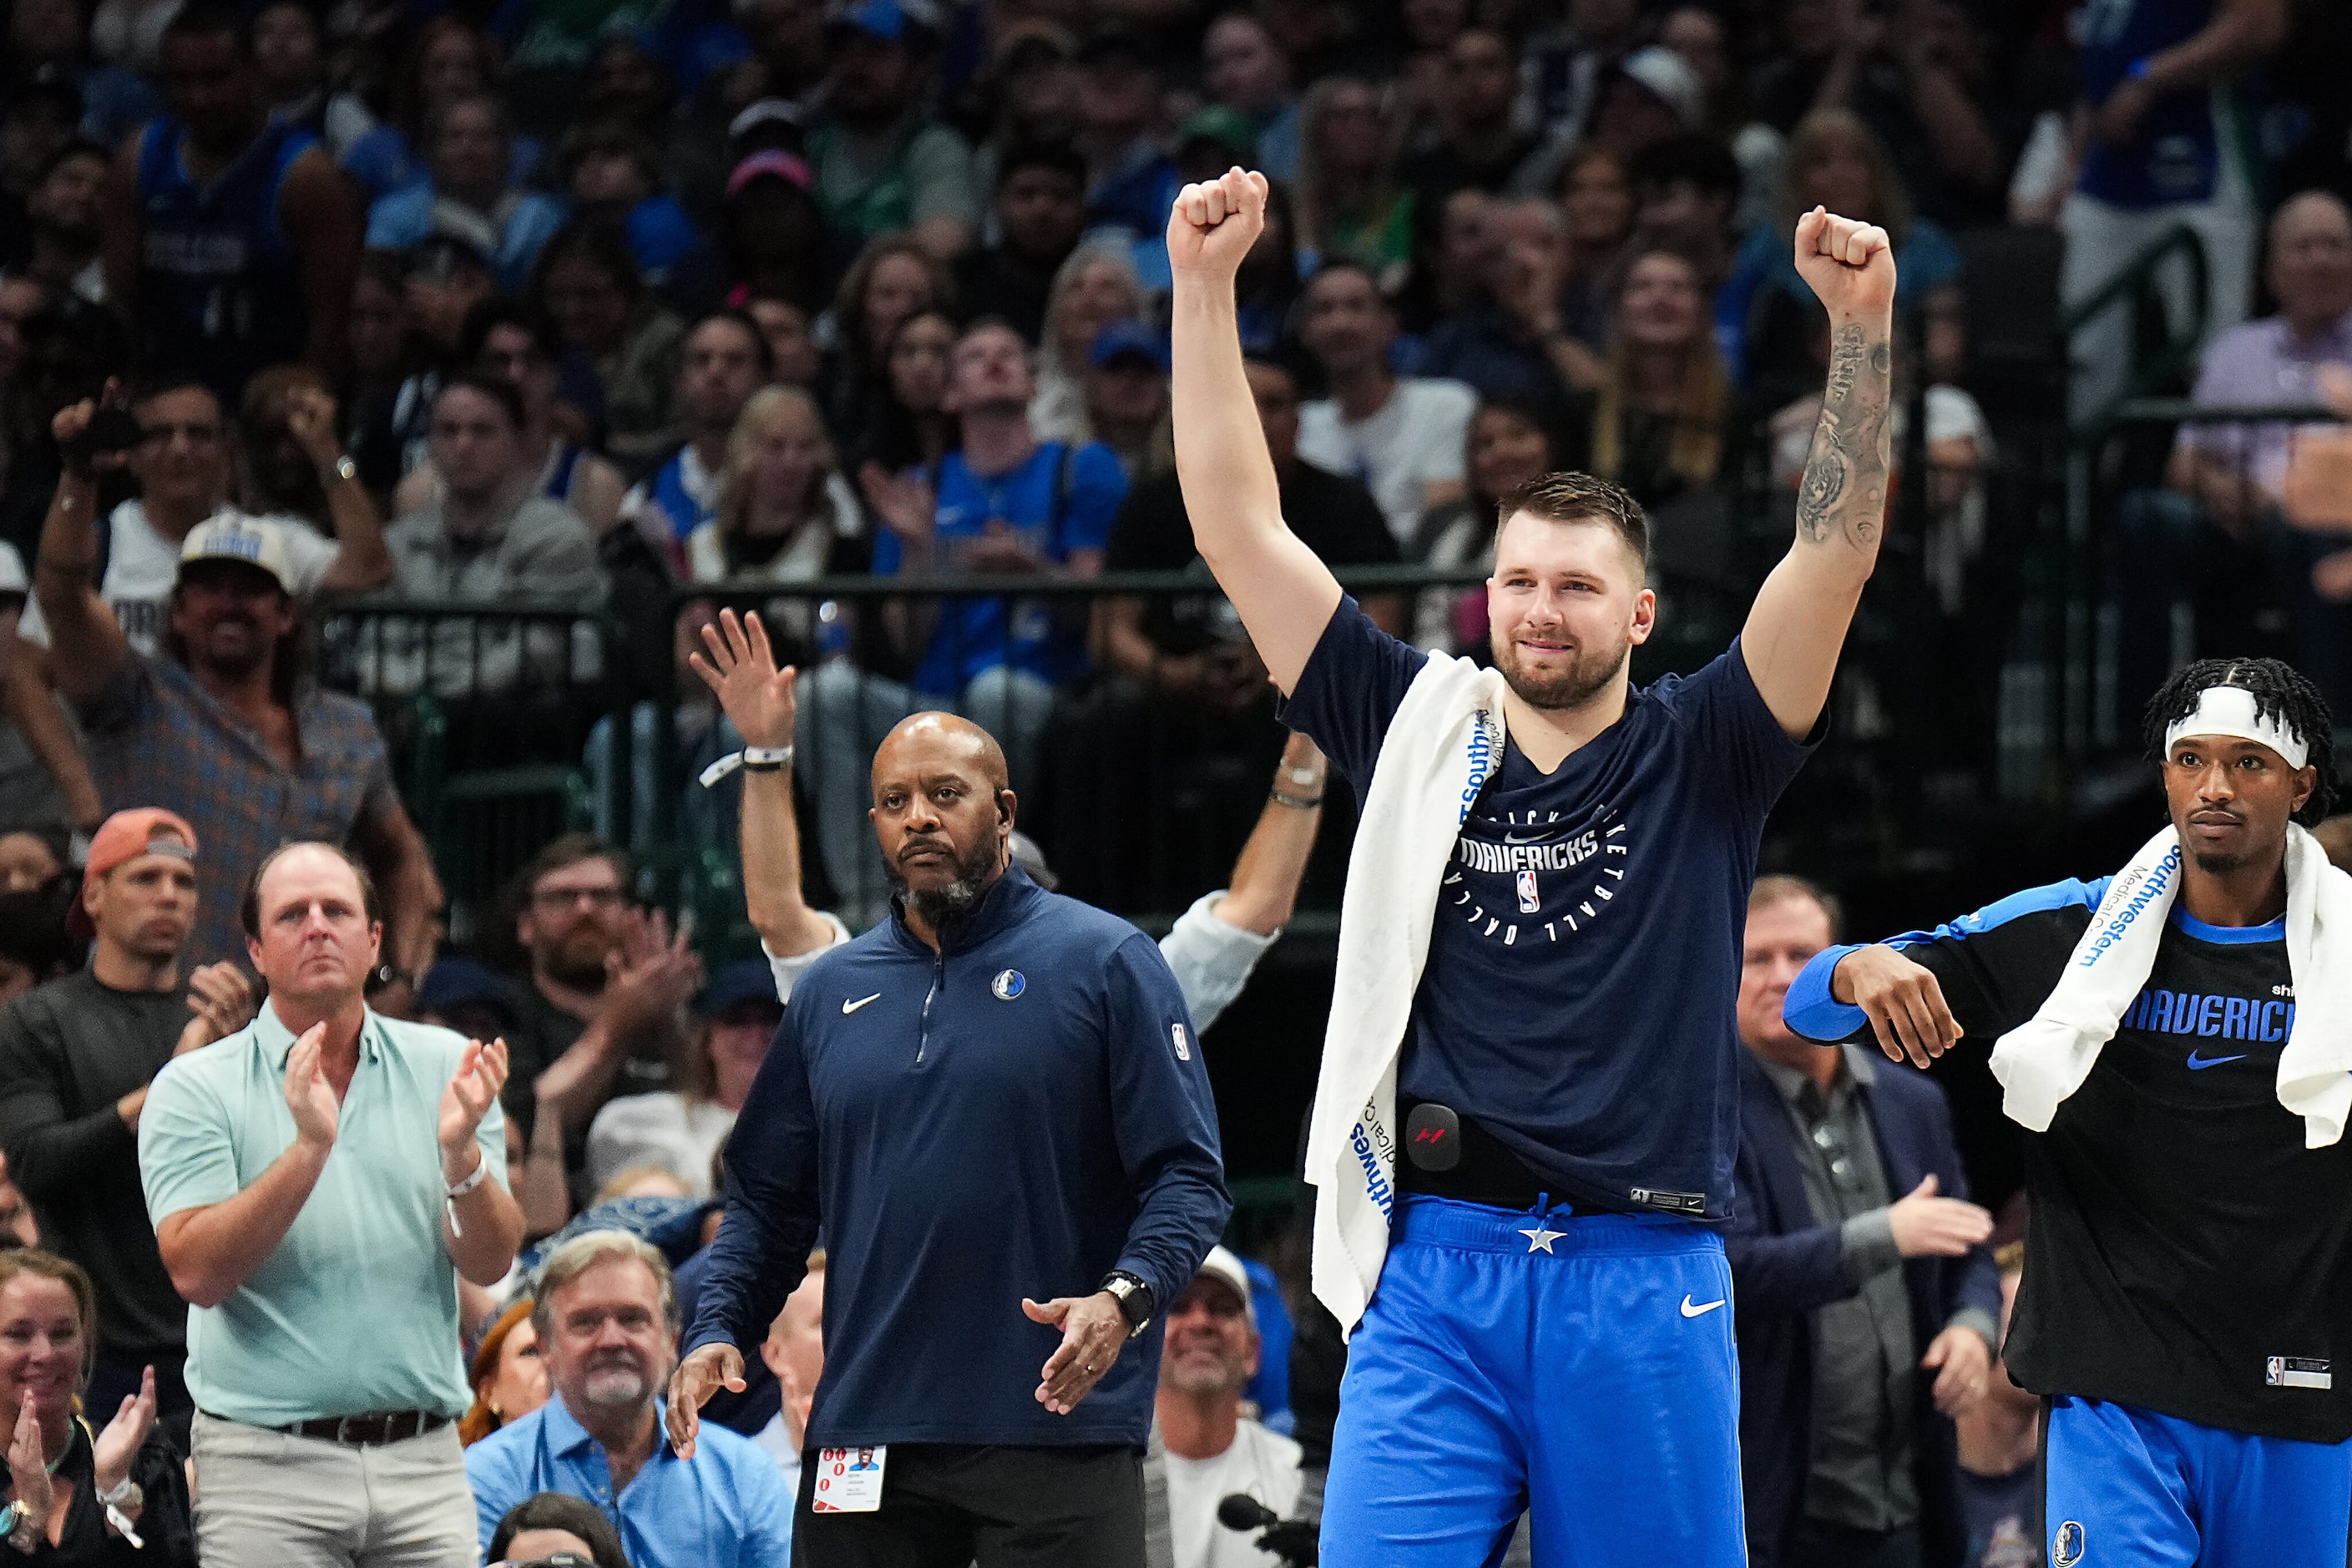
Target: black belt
(372, 1430)
(1486, 1171)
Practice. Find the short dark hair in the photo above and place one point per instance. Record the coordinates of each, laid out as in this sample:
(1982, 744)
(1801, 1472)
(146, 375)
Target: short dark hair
(213, 19)
(765, 355)
(1783, 889)
(1332, 266)
(572, 1515)
(147, 389)
(1570, 497)
(504, 311)
(570, 849)
(1057, 157)
(248, 908)
(498, 389)
(2280, 693)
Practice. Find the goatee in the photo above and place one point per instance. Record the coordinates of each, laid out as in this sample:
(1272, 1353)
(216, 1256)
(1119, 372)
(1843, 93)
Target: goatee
(974, 871)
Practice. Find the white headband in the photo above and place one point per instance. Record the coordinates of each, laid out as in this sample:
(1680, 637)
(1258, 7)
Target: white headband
(2232, 710)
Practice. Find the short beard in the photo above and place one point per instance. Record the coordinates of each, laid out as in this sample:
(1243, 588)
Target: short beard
(2221, 865)
(974, 872)
(1575, 686)
(616, 1387)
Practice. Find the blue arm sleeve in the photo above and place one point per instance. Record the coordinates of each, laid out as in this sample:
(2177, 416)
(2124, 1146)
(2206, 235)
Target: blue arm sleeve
(773, 1205)
(1166, 1121)
(1995, 966)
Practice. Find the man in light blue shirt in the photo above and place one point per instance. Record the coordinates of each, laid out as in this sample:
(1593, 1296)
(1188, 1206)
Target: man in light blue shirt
(608, 1319)
(290, 1171)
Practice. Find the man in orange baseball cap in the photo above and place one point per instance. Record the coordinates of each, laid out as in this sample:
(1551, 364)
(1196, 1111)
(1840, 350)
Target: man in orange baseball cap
(76, 1058)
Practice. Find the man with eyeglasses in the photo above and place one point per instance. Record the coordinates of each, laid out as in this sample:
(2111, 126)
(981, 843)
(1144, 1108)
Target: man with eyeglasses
(182, 466)
(1868, 1307)
(603, 1001)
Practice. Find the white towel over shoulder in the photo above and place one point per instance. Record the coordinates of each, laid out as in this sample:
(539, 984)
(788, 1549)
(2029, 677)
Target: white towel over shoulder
(1446, 737)
(2046, 1059)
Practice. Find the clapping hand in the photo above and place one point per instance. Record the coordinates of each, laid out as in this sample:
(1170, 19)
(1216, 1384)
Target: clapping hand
(473, 1089)
(906, 504)
(309, 1095)
(650, 978)
(222, 1000)
(1849, 265)
(121, 1442)
(1213, 224)
(28, 1466)
(740, 670)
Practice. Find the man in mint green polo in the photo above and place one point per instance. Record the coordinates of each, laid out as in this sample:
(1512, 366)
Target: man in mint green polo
(319, 1181)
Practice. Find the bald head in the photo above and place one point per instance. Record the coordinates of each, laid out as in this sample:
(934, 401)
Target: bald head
(2310, 268)
(943, 737)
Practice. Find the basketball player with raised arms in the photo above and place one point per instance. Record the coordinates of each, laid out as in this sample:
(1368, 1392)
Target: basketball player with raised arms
(2176, 1040)
(1538, 958)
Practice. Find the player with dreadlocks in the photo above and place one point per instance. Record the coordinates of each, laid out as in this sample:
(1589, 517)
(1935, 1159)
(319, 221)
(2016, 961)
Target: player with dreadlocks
(2177, 1039)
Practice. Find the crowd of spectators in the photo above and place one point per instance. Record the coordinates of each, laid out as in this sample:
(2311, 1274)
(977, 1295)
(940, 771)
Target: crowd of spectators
(587, 308)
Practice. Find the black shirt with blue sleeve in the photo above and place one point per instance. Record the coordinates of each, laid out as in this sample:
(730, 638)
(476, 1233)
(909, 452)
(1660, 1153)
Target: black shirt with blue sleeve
(2184, 1252)
(1577, 1003)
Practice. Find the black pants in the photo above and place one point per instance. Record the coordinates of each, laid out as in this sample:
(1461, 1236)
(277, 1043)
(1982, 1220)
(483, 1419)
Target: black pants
(1820, 1544)
(947, 1505)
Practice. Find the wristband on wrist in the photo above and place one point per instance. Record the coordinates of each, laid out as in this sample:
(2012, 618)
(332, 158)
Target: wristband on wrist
(1296, 801)
(751, 760)
(456, 1190)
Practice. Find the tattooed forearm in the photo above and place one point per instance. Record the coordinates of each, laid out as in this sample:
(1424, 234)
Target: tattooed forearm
(1844, 488)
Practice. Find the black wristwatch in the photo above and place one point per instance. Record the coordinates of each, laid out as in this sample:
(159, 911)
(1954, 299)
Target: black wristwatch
(1134, 1298)
(384, 975)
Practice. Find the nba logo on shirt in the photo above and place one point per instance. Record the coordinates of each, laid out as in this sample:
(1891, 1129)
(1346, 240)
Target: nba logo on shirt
(1183, 1045)
(1531, 900)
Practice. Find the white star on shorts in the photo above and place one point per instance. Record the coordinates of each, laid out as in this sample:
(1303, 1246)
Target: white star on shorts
(1540, 1238)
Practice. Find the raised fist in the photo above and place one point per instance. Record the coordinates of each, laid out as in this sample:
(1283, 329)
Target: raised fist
(1214, 223)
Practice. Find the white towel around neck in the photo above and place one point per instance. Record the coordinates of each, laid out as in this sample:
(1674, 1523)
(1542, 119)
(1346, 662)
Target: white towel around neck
(2046, 1059)
(1445, 739)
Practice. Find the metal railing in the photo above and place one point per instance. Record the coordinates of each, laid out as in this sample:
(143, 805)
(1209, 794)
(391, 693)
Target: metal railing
(2145, 578)
(511, 722)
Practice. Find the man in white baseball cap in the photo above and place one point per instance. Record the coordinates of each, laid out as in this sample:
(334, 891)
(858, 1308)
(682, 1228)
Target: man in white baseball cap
(1204, 1445)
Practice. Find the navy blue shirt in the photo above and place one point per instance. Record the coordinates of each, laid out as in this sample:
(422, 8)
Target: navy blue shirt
(1577, 1001)
(1015, 1115)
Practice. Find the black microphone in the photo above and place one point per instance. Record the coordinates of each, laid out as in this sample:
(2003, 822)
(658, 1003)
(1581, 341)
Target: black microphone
(1243, 1511)
(1292, 1539)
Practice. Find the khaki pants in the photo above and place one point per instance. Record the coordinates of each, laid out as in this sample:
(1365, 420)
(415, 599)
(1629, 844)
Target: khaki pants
(265, 1497)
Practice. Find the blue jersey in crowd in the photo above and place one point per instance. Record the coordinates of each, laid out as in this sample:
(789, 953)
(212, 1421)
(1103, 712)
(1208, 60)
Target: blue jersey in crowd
(1577, 1001)
(1015, 1115)
(1060, 501)
(220, 296)
(2175, 155)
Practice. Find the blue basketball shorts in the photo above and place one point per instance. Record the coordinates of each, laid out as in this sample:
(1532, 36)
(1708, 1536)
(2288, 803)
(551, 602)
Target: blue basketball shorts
(2129, 1488)
(1579, 1369)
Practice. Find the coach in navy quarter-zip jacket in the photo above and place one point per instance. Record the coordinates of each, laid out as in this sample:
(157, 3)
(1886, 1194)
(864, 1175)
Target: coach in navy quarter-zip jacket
(992, 1099)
